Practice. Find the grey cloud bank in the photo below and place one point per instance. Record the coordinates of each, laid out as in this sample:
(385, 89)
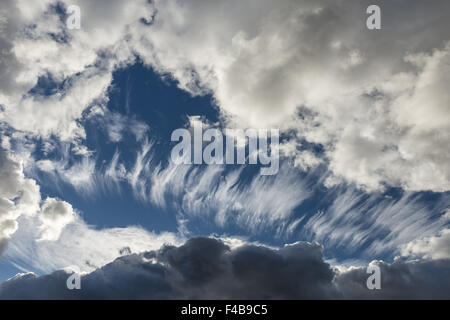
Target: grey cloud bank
(207, 268)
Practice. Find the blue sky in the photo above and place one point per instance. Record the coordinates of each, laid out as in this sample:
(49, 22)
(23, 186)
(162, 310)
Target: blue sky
(87, 115)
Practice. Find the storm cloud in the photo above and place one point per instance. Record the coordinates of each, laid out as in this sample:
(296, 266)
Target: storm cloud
(209, 268)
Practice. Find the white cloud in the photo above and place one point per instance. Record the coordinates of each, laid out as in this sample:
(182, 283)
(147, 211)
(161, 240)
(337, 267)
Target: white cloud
(115, 173)
(79, 245)
(58, 114)
(79, 172)
(446, 215)
(51, 236)
(18, 196)
(434, 247)
(380, 226)
(84, 58)
(55, 215)
(213, 192)
(262, 62)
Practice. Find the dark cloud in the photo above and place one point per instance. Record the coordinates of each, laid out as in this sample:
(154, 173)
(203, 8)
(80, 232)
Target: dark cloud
(427, 279)
(210, 269)
(201, 268)
(205, 268)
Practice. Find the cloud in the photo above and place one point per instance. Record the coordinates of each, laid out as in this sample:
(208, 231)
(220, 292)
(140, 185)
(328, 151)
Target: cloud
(200, 268)
(55, 215)
(78, 245)
(400, 280)
(226, 195)
(374, 224)
(257, 204)
(374, 103)
(433, 247)
(208, 268)
(74, 164)
(40, 234)
(77, 170)
(117, 124)
(230, 196)
(18, 196)
(408, 152)
(77, 64)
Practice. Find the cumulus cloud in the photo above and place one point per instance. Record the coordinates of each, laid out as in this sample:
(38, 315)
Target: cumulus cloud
(55, 215)
(41, 233)
(409, 151)
(400, 280)
(433, 247)
(18, 196)
(208, 268)
(375, 101)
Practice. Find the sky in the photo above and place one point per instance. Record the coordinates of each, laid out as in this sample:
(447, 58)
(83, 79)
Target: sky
(87, 179)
